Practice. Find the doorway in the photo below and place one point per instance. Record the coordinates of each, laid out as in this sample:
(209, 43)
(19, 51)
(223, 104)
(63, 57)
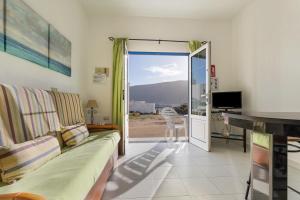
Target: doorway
(158, 102)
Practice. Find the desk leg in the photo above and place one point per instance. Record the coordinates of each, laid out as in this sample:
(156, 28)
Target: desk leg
(245, 140)
(280, 167)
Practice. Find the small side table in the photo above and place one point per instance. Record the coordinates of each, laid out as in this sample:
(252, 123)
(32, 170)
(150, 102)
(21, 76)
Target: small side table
(96, 127)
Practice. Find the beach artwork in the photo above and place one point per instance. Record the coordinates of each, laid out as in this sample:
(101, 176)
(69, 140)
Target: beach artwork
(26, 33)
(1, 25)
(60, 50)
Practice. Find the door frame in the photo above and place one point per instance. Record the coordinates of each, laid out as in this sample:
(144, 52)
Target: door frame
(126, 84)
(193, 140)
(125, 99)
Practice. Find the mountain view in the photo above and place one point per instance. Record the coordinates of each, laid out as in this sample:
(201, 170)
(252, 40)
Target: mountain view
(172, 93)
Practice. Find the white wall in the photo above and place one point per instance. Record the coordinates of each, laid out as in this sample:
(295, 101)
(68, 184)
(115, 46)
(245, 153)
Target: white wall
(266, 47)
(69, 18)
(100, 48)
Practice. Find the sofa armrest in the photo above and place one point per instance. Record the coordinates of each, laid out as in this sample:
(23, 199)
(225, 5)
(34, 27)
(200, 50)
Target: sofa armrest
(96, 128)
(21, 196)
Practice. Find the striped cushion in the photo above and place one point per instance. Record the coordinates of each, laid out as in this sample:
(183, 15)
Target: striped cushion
(69, 108)
(25, 114)
(26, 157)
(73, 135)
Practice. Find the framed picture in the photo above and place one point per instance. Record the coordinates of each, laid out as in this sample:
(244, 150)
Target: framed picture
(26, 33)
(1, 25)
(60, 50)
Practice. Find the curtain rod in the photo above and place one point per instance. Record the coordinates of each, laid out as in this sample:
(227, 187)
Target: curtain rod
(152, 40)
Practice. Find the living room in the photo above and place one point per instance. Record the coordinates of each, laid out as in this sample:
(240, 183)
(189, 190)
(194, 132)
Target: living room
(73, 53)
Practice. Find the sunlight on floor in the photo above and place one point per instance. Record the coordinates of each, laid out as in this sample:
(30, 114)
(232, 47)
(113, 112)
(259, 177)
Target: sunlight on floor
(180, 171)
(156, 170)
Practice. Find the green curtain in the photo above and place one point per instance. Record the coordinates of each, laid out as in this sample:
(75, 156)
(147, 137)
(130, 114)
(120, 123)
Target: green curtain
(119, 51)
(194, 45)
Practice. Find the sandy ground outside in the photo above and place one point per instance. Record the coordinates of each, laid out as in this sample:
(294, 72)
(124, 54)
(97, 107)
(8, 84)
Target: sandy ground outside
(150, 126)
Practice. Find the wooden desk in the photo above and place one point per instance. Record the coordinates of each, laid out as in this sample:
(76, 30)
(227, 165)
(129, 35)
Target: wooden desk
(269, 181)
(95, 127)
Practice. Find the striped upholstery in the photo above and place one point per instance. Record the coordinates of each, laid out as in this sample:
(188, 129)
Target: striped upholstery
(25, 114)
(73, 135)
(69, 108)
(26, 157)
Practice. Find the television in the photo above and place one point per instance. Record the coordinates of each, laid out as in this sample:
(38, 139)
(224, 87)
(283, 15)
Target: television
(227, 100)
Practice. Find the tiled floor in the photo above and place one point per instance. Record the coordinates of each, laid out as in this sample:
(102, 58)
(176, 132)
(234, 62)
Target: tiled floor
(180, 171)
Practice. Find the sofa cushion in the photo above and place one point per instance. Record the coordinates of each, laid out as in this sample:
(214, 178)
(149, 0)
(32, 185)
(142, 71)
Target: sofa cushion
(74, 135)
(25, 114)
(69, 108)
(26, 157)
(72, 174)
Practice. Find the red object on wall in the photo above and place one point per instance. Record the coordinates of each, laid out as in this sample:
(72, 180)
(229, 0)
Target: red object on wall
(213, 71)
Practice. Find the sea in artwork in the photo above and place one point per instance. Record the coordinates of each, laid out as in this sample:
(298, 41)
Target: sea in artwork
(1, 42)
(59, 52)
(1, 25)
(18, 49)
(26, 33)
(61, 68)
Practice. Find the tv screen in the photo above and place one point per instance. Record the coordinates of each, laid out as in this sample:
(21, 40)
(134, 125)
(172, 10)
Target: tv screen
(227, 100)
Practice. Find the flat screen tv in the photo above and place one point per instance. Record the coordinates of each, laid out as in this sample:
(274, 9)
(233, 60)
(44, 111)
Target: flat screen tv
(227, 100)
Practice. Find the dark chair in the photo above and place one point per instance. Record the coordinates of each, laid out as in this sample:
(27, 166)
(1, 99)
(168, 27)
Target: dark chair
(297, 150)
(248, 187)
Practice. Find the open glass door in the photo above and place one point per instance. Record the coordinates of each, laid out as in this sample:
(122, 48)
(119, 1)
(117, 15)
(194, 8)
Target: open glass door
(200, 98)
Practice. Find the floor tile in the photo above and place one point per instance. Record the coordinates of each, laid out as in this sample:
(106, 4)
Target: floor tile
(200, 186)
(175, 198)
(218, 171)
(218, 197)
(136, 189)
(142, 189)
(239, 196)
(170, 187)
(189, 172)
(294, 178)
(165, 172)
(293, 196)
(229, 185)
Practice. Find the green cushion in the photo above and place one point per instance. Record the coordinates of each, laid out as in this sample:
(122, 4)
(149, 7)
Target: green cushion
(72, 174)
(261, 139)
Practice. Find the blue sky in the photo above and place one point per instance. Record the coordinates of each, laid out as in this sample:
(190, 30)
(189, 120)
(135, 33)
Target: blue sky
(150, 69)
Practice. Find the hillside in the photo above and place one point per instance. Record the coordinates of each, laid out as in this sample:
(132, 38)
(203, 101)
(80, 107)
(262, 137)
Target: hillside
(166, 93)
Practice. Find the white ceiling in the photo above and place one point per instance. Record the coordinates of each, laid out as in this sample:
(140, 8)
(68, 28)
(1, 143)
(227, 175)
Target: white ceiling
(186, 9)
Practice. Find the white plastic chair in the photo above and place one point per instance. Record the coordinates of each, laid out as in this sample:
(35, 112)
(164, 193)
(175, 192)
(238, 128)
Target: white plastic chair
(170, 116)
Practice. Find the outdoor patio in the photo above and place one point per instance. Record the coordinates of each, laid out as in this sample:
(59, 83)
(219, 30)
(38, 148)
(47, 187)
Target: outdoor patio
(152, 127)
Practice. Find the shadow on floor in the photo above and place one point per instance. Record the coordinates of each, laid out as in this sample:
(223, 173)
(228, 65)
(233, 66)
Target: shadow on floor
(137, 169)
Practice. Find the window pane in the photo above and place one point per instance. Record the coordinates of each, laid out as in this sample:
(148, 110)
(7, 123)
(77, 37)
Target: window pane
(199, 83)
